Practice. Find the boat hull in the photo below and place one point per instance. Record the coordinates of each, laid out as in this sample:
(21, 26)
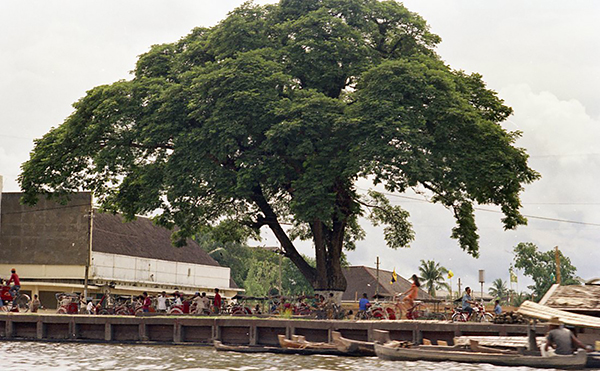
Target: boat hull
(441, 354)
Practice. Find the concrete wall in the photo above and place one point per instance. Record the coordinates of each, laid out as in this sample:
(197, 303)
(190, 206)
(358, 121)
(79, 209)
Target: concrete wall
(120, 268)
(47, 233)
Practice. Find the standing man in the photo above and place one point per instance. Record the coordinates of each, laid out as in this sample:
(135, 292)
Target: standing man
(90, 307)
(363, 302)
(204, 304)
(146, 303)
(35, 304)
(363, 305)
(161, 301)
(467, 300)
(197, 303)
(217, 302)
(14, 277)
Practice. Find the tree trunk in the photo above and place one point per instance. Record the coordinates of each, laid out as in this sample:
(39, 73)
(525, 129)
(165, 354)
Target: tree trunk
(328, 253)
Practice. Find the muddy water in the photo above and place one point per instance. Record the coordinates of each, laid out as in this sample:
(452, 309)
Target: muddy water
(38, 356)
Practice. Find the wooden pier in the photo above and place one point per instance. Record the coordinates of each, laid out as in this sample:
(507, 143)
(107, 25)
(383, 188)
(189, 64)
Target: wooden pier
(231, 330)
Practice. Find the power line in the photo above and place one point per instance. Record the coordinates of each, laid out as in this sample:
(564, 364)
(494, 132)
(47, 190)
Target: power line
(543, 218)
(496, 211)
(15, 137)
(565, 155)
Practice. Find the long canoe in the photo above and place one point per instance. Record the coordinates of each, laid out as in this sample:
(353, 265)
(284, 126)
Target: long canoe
(441, 353)
(351, 346)
(220, 347)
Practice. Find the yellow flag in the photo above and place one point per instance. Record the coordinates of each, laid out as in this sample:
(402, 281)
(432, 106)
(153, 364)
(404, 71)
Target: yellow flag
(513, 276)
(394, 276)
(450, 274)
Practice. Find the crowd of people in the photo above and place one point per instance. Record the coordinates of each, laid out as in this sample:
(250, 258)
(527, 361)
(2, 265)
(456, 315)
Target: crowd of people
(176, 302)
(560, 340)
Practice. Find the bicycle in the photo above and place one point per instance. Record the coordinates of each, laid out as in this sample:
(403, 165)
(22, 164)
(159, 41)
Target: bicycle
(16, 303)
(414, 312)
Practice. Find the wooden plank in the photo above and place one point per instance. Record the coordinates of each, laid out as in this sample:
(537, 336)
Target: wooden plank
(498, 341)
(534, 310)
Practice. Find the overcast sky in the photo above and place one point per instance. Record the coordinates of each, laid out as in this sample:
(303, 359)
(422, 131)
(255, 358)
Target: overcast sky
(542, 57)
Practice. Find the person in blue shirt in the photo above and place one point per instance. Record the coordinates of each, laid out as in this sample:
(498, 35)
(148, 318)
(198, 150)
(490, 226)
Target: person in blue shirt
(497, 308)
(467, 300)
(363, 302)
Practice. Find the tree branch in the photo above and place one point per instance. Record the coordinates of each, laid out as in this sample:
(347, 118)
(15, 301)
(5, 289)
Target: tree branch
(290, 251)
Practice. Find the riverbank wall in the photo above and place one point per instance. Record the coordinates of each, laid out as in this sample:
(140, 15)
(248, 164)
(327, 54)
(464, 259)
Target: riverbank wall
(192, 330)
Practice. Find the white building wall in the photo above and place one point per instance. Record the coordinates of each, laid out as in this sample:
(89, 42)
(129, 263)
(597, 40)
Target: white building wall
(122, 268)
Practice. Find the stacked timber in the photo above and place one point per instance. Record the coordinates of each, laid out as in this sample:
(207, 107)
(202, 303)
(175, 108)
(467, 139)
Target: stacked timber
(509, 318)
(543, 312)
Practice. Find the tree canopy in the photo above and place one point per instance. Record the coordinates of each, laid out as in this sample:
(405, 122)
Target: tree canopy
(270, 117)
(540, 266)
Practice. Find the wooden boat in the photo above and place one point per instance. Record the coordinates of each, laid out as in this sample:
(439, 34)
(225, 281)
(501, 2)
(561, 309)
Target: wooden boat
(220, 347)
(436, 353)
(300, 342)
(352, 347)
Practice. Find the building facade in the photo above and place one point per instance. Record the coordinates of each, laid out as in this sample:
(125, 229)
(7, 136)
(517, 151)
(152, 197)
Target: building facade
(72, 247)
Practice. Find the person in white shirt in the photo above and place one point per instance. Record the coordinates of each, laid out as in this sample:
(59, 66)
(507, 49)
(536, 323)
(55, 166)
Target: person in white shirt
(196, 302)
(90, 307)
(161, 306)
(205, 303)
(177, 300)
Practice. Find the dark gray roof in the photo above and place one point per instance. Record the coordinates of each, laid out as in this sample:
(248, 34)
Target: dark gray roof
(363, 279)
(144, 239)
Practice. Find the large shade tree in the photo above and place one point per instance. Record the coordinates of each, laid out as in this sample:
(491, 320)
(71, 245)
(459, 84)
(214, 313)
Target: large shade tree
(270, 117)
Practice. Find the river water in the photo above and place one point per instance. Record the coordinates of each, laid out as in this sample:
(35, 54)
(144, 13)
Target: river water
(39, 356)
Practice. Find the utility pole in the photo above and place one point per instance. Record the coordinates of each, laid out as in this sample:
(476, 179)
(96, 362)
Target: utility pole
(377, 286)
(557, 258)
(459, 290)
(280, 252)
(88, 261)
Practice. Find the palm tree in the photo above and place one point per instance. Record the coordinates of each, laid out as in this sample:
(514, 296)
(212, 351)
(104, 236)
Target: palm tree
(499, 290)
(432, 276)
(519, 298)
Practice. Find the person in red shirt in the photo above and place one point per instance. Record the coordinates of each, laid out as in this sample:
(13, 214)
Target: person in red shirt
(217, 302)
(14, 277)
(146, 303)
